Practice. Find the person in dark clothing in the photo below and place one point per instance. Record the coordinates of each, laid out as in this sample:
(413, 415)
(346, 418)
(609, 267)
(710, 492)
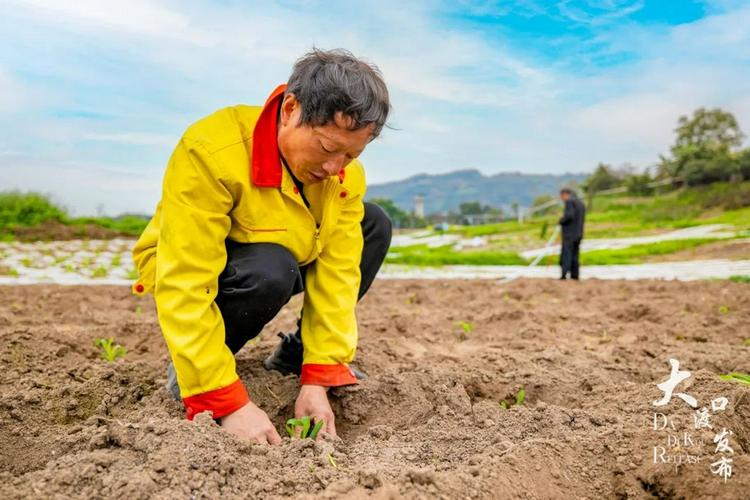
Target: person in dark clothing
(572, 232)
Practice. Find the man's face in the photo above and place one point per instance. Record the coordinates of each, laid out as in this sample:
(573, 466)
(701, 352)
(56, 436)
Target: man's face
(564, 196)
(316, 153)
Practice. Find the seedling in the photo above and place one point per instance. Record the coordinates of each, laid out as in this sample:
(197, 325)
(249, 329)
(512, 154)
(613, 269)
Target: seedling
(115, 261)
(332, 461)
(8, 271)
(100, 272)
(303, 424)
(138, 309)
(746, 342)
(742, 378)
(724, 309)
(466, 328)
(110, 351)
(520, 398)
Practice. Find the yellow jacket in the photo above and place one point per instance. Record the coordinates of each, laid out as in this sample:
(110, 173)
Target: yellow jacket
(225, 180)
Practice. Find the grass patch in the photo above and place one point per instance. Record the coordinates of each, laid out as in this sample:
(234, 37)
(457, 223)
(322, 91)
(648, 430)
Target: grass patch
(422, 255)
(740, 278)
(634, 254)
(22, 210)
(27, 209)
(132, 225)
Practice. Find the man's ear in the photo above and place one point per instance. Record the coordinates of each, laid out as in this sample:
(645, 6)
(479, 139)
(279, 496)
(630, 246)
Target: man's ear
(288, 106)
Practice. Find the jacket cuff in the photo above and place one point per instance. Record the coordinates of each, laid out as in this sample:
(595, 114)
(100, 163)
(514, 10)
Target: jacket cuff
(219, 402)
(327, 375)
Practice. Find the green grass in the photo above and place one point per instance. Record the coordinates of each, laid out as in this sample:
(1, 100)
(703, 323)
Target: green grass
(21, 210)
(27, 209)
(740, 278)
(421, 255)
(637, 253)
(128, 224)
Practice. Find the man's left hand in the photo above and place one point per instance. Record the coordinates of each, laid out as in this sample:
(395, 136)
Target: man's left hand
(313, 402)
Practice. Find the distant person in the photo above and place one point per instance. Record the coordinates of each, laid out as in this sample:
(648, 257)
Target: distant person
(260, 203)
(572, 232)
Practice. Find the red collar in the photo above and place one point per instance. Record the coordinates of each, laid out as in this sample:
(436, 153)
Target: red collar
(266, 163)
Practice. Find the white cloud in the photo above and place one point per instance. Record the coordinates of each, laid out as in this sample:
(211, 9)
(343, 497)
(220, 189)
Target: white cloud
(131, 17)
(133, 138)
(462, 98)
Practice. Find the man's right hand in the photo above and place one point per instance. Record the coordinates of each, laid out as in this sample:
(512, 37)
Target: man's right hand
(252, 424)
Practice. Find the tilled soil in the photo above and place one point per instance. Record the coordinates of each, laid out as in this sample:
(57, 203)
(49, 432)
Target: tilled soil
(428, 423)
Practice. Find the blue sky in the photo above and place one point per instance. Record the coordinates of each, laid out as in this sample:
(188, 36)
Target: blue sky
(94, 95)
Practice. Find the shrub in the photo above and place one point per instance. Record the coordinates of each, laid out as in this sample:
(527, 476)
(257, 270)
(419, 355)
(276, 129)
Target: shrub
(27, 209)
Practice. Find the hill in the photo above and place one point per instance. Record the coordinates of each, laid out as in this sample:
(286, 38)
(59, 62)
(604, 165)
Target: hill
(446, 192)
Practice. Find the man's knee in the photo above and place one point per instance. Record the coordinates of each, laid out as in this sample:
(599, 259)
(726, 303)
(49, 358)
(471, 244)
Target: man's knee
(263, 270)
(376, 226)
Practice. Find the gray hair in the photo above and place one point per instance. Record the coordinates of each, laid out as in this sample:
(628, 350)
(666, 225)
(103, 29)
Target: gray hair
(328, 81)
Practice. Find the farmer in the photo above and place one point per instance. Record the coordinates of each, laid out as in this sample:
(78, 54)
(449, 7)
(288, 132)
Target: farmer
(572, 232)
(259, 204)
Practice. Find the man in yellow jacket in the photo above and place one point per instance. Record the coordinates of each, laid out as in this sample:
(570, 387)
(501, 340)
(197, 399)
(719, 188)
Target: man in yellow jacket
(258, 204)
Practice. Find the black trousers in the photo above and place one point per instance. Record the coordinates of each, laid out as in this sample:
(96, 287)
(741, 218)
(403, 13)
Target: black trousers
(569, 258)
(260, 278)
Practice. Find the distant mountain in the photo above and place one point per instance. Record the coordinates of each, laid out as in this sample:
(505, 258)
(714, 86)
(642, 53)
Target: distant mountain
(445, 192)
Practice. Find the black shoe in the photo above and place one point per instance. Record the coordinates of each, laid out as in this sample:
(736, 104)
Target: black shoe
(287, 358)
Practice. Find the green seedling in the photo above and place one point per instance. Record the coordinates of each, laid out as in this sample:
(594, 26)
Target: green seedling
(115, 261)
(520, 398)
(466, 328)
(303, 423)
(746, 342)
(110, 350)
(100, 272)
(26, 262)
(138, 309)
(8, 271)
(724, 309)
(742, 378)
(332, 461)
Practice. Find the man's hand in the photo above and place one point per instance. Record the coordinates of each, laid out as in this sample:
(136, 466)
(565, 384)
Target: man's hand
(252, 424)
(313, 402)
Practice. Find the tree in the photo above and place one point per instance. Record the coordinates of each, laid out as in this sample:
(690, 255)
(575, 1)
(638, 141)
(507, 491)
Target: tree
(399, 217)
(743, 160)
(470, 208)
(711, 130)
(541, 200)
(638, 184)
(603, 178)
(704, 149)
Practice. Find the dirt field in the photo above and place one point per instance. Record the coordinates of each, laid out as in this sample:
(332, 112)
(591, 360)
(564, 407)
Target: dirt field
(427, 424)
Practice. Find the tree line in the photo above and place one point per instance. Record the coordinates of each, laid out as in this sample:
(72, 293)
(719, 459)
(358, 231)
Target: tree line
(707, 149)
